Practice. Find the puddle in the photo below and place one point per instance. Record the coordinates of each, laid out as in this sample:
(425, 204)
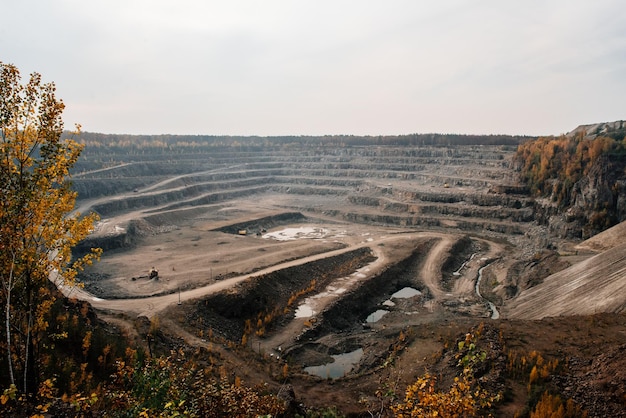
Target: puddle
(304, 311)
(376, 316)
(307, 308)
(405, 293)
(289, 234)
(342, 365)
(314, 304)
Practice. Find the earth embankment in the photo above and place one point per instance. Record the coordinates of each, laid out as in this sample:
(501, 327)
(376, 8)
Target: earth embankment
(597, 284)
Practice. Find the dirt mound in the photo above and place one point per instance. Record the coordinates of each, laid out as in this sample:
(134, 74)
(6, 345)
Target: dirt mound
(597, 284)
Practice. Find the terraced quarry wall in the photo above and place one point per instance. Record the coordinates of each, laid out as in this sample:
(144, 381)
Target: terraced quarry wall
(427, 187)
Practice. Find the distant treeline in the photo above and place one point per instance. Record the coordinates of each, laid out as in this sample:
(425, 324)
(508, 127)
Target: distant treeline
(94, 141)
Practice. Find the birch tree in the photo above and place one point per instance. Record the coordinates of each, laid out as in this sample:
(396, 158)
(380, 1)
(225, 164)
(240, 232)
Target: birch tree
(37, 226)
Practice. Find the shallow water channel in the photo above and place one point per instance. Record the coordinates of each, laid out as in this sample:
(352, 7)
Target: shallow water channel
(494, 311)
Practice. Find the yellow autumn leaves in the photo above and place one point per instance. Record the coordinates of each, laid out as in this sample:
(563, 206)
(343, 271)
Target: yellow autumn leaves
(37, 227)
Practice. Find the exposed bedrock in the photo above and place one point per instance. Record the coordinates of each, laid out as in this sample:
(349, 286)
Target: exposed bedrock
(417, 220)
(497, 209)
(459, 189)
(596, 202)
(200, 194)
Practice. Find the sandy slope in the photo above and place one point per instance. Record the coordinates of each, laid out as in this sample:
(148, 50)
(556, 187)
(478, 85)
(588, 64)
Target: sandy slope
(605, 240)
(597, 284)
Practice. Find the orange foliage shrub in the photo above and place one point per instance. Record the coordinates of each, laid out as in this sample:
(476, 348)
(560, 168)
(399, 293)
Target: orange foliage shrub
(551, 406)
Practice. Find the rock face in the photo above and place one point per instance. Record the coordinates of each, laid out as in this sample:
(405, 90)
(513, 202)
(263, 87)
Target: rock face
(601, 196)
(598, 199)
(615, 130)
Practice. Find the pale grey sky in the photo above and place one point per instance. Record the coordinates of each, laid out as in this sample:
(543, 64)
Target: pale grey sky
(252, 67)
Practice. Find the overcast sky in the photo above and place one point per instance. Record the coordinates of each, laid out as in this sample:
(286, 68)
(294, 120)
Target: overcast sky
(267, 67)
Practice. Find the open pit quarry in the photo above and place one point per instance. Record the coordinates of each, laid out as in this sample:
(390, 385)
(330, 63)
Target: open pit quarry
(323, 258)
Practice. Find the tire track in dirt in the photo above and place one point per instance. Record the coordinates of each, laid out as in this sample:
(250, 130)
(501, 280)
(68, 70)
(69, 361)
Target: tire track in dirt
(431, 272)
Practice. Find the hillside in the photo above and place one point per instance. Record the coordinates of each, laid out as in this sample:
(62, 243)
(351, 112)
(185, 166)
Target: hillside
(597, 284)
(605, 240)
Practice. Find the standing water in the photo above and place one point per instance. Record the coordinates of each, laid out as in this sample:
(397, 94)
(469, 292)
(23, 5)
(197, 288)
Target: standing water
(375, 316)
(341, 365)
(405, 293)
(494, 311)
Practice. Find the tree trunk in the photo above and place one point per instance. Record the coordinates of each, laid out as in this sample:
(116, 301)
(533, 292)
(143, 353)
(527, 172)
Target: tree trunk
(7, 324)
(28, 357)
(8, 327)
